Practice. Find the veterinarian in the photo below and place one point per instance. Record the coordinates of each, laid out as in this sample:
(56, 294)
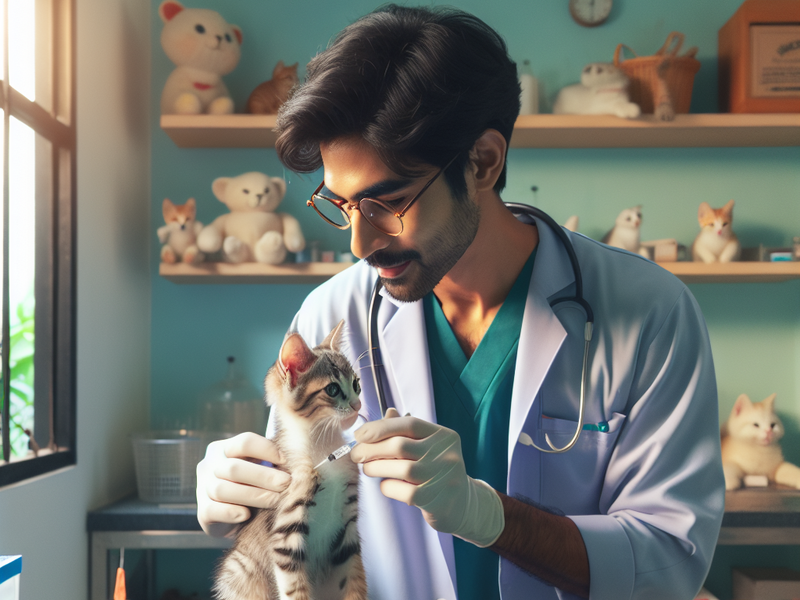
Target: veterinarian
(414, 108)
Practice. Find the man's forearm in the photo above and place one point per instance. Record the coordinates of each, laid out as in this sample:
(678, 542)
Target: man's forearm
(547, 545)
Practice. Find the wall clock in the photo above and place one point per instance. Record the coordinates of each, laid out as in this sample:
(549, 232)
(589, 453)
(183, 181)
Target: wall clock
(590, 13)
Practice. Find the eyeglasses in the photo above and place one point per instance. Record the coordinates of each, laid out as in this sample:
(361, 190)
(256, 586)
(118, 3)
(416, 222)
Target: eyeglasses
(379, 214)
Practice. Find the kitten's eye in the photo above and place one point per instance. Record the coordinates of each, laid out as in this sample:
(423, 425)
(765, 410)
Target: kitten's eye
(356, 386)
(199, 28)
(246, 191)
(756, 425)
(227, 37)
(333, 390)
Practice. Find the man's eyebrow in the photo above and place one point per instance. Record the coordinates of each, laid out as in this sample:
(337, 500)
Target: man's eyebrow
(388, 186)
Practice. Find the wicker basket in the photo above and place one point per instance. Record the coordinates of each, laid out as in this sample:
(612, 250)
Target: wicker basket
(166, 463)
(643, 73)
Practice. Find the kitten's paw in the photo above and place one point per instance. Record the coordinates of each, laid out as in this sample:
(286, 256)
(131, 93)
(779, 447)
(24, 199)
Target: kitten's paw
(665, 112)
(628, 110)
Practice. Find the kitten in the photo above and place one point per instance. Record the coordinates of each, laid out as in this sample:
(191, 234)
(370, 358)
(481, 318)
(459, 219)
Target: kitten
(625, 233)
(603, 90)
(179, 235)
(750, 444)
(662, 99)
(716, 241)
(307, 546)
(267, 98)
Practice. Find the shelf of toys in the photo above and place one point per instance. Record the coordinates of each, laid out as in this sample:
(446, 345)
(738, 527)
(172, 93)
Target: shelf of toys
(534, 131)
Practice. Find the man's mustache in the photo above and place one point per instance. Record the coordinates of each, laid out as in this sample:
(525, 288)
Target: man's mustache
(384, 259)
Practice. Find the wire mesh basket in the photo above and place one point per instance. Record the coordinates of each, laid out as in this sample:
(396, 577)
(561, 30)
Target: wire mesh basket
(166, 463)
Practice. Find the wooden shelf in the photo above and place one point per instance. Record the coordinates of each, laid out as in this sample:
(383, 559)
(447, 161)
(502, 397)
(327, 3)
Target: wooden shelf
(212, 273)
(769, 515)
(534, 131)
(688, 272)
(734, 272)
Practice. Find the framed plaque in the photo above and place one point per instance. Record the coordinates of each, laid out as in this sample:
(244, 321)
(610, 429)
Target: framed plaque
(759, 58)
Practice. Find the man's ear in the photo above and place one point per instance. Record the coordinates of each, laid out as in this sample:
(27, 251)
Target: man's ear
(487, 158)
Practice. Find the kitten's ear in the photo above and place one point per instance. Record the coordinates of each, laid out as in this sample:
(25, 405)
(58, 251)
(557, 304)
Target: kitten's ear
(168, 208)
(741, 402)
(192, 206)
(728, 208)
(704, 210)
(168, 9)
(334, 339)
(295, 358)
(769, 402)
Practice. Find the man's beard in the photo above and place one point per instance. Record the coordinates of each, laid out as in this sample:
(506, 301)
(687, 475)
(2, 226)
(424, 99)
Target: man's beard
(445, 249)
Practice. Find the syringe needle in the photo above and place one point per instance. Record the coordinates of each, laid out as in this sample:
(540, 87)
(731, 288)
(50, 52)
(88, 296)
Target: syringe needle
(338, 453)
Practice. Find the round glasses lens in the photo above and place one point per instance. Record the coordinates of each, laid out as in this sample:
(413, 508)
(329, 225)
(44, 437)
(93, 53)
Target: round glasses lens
(331, 212)
(380, 217)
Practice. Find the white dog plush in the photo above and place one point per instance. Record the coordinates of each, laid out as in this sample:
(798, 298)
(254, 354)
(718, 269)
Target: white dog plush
(204, 47)
(252, 231)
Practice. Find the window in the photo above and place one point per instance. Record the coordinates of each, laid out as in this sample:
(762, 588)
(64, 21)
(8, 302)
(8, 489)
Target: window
(37, 405)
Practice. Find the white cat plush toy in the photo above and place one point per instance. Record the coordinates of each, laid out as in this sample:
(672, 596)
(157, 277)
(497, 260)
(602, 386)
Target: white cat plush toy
(625, 233)
(603, 90)
(203, 47)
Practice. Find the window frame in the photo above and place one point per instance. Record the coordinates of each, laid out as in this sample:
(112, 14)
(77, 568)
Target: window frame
(55, 269)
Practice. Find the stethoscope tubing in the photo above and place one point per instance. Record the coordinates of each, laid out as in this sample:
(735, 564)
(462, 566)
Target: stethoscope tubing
(530, 212)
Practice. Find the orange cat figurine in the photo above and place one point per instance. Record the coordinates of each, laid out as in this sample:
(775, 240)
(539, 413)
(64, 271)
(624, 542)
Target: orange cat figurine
(267, 98)
(179, 235)
(716, 241)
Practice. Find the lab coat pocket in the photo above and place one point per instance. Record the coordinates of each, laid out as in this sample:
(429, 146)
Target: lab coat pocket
(582, 467)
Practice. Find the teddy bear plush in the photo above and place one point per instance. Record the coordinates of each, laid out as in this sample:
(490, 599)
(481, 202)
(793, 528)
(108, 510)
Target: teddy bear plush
(252, 231)
(179, 235)
(204, 47)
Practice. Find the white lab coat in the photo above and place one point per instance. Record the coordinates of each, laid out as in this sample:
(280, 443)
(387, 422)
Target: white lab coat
(647, 496)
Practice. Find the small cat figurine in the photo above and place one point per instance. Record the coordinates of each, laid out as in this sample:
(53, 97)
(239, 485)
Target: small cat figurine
(603, 90)
(307, 546)
(716, 241)
(625, 233)
(267, 98)
(750, 444)
(179, 235)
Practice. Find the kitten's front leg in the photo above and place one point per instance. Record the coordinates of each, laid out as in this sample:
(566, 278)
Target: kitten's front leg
(733, 475)
(290, 530)
(788, 474)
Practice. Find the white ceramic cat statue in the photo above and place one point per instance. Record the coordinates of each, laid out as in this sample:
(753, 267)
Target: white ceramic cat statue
(716, 241)
(750, 444)
(603, 90)
(625, 233)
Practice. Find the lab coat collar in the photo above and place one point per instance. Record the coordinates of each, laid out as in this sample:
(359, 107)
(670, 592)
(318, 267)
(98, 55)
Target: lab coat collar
(542, 333)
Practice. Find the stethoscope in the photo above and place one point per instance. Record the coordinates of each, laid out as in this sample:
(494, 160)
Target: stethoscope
(526, 214)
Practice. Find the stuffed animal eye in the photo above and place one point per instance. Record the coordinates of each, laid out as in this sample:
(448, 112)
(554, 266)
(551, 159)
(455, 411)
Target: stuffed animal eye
(246, 191)
(266, 190)
(356, 386)
(333, 390)
(199, 28)
(227, 37)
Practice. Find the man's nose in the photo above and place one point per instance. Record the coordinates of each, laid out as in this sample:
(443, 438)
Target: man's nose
(365, 239)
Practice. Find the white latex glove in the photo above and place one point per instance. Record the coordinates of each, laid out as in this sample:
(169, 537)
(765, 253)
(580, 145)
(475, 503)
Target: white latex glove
(230, 479)
(422, 465)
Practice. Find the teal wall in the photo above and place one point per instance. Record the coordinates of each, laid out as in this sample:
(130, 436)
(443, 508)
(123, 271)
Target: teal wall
(755, 328)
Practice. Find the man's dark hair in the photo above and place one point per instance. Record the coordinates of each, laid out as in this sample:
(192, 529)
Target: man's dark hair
(420, 85)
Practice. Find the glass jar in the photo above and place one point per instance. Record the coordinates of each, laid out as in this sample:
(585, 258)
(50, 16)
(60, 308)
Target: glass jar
(233, 405)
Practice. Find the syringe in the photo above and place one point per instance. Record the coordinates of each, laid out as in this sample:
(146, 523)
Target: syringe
(338, 453)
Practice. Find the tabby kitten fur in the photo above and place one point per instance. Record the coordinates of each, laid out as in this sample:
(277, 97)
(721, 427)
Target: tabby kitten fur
(750, 444)
(267, 98)
(307, 546)
(716, 241)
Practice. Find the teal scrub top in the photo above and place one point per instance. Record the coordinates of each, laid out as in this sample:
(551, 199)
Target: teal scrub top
(473, 397)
